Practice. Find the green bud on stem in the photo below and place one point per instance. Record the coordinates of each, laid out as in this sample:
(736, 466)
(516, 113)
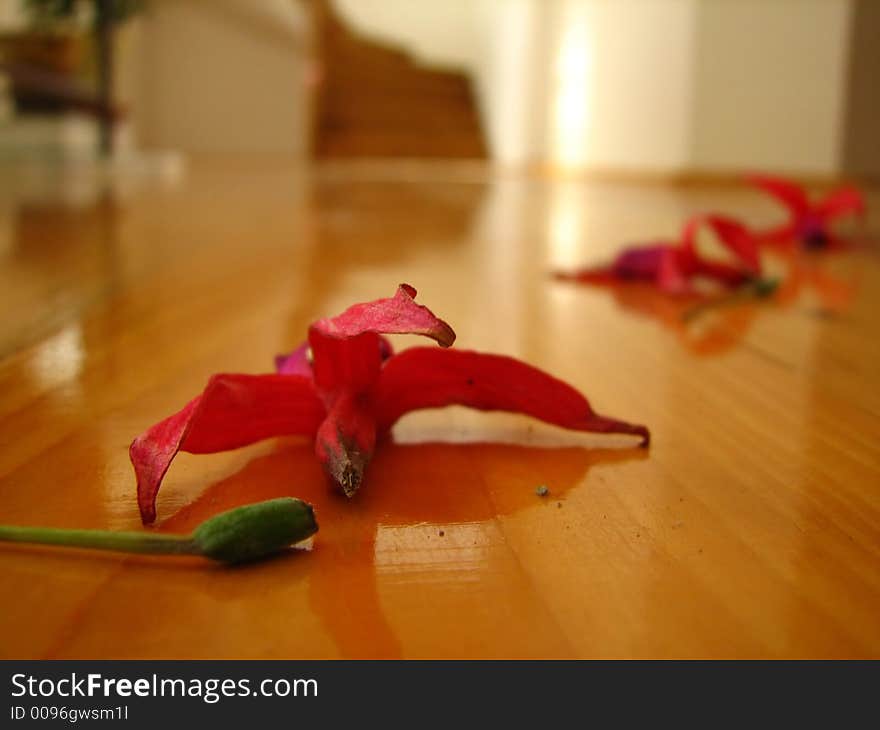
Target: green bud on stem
(255, 530)
(240, 535)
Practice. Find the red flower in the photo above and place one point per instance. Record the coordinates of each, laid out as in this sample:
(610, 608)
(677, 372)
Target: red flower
(353, 389)
(672, 267)
(809, 224)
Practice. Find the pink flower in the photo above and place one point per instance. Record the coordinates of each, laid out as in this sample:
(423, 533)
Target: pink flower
(809, 224)
(346, 388)
(673, 266)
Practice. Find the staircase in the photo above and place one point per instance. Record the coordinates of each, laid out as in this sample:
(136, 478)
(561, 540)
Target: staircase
(375, 101)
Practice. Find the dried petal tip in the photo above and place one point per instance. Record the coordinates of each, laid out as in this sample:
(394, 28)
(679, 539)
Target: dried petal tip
(344, 462)
(437, 328)
(601, 424)
(350, 475)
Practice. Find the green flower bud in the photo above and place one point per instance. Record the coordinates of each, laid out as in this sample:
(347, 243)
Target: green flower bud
(255, 530)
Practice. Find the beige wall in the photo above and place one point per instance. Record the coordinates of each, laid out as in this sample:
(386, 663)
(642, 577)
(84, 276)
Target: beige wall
(770, 84)
(654, 85)
(542, 68)
(647, 85)
(634, 86)
(509, 77)
(438, 33)
(220, 76)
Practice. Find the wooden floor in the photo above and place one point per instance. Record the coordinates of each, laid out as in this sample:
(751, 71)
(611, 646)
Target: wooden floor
(751, 528)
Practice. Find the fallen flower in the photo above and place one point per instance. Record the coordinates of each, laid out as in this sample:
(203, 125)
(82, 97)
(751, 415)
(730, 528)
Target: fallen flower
(673, 267)
(346, 388)
(807, 279)
(809, 224)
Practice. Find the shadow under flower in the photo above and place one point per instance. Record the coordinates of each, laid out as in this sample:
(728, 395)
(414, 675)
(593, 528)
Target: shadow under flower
(704, 324)
(807, 275)
(712, 324)
(423, 485)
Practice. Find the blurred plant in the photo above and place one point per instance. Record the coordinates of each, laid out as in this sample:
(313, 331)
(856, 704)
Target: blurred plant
(104, 16)
(49, 12)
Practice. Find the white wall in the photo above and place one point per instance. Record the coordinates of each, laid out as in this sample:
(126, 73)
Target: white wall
(648, 85)
(509, 74)
(770, 84)
(498, 42)
(225, 76)
(573, 82)
(620, 83)
(438, 33)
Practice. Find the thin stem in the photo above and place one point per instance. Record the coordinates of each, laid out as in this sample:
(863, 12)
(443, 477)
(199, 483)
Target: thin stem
(126, 542)
(243, 534)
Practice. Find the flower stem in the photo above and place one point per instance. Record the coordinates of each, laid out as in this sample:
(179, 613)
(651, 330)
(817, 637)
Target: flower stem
(126, 542)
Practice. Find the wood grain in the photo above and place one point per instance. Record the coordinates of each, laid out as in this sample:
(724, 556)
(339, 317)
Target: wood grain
(750, 529)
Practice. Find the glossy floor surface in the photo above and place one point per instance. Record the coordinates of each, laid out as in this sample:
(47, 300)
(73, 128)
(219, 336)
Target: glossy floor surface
(751, 528)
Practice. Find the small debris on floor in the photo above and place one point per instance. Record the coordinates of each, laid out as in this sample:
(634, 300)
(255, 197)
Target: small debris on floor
(441, 533)
(542, 491)
(559, 504)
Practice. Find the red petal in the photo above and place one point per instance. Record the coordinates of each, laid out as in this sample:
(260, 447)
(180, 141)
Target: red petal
(233, 410)
(782, 237)
(842, 201)
(347, 350)
(738, 239)
(675, 267)
(424, 377)
(598, 275)
(299, 361)
(345, 441)
(789, 193)
(396, 315)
